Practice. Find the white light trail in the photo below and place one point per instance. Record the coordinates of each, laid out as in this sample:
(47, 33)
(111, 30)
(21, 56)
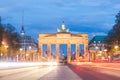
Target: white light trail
(24, 64)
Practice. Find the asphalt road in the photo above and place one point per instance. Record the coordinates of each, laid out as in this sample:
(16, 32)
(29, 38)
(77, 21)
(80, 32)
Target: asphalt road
(39, 73)
(63, 72)
(27, 73)
(93, 72)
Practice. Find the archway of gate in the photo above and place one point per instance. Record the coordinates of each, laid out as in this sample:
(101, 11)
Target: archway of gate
(55, 52)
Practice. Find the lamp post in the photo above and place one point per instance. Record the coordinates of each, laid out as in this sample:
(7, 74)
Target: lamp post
(6, 46)
(116, 47)
(96, 48)
(24, 46)
(109, 58)
(105, 50)
(100, 48)
(0, 53)
(21, 53)
(23, 38)
(30, 55)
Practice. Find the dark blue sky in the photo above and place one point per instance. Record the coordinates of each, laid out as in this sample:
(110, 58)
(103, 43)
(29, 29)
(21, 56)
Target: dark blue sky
(95, 17)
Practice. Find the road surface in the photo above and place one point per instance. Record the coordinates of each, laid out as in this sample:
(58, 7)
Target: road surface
(39, 73)
(97, 71)
(64, 72)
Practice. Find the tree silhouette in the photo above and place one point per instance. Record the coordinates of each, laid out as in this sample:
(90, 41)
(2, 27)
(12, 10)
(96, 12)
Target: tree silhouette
(113, 37)
(10, 37)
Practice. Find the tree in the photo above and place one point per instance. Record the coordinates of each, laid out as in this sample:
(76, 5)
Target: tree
(10, 37)
(1, 31)
(118, 17)
(113, 37)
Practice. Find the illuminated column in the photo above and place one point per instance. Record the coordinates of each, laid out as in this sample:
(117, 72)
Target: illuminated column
(69, 53)
(40, 53)
(32, 57)
(57, 53)
(86, 51)
(77, 52)
(49, 51)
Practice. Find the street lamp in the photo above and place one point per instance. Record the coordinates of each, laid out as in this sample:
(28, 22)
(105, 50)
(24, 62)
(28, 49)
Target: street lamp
(21, 49)
(17, 57)
(96, 47)
(99, 47)
(30, 47)
(116, 47)
(6, 46)
(105, 52)
(20, 53)
(24, 45)
(1, 54)
(30, 53)
(27, 54)
(109, 58)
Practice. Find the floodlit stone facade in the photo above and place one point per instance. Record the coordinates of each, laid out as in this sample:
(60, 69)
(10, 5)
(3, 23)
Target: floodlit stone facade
(63, 36)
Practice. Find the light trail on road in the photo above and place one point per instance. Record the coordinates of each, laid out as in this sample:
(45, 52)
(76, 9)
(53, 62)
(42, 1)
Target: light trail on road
(79, 71)
(4, 65)
(28, 73)
(92, 72)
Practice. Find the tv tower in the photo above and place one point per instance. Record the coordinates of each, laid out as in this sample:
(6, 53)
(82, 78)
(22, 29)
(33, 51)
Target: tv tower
(22, 27)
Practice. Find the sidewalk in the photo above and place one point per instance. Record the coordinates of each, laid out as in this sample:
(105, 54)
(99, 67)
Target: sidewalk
(61, 73)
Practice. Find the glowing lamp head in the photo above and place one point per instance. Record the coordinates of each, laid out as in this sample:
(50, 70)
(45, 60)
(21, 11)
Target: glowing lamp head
(30, 47)
(22, 32)
(105, 50)
(108, 56)
(96, 47)
(6, 46)
(21, 49)
(116, 47)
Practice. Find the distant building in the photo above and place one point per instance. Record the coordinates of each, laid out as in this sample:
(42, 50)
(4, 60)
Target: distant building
(97, 41)
(28, 43)
(97, 47)
(28, 51)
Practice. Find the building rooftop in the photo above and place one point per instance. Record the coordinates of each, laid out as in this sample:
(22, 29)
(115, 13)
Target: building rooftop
(97, 39)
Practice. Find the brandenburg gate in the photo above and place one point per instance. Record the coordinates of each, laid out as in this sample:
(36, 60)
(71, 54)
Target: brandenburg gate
(63, 36)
